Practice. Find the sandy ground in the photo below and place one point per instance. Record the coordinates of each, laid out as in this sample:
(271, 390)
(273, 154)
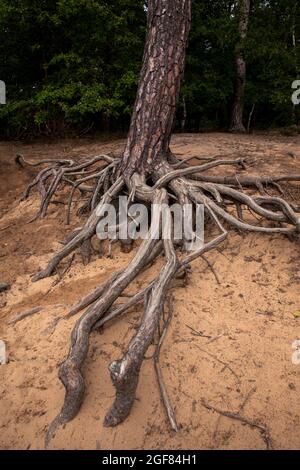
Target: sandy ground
(252, 315)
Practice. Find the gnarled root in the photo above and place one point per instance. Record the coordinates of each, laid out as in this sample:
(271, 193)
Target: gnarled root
(124, 373)
(225, 201)
(70, 370)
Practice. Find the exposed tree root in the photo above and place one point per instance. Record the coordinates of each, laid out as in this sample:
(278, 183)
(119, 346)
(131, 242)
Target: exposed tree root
(243, 419)
(125, 372)
(163, 390)
(23, 315)
(101, 181)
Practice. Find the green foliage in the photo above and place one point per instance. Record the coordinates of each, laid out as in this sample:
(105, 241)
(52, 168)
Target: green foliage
(273, 63)
(72, 65)
(209, 78)
(69, 64)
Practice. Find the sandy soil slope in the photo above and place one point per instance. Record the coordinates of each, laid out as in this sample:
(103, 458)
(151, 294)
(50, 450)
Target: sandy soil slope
(252, 316)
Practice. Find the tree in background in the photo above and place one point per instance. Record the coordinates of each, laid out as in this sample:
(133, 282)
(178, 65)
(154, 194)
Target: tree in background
(269, 51)
(272, 58)
(209, 76)
(149, 173)
(243, 13)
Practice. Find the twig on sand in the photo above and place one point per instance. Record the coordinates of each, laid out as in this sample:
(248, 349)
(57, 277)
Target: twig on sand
(247, 398)
(242, 407)
(215, 338)
(164, 394)
(23, 315)
(64, 271)
(211, 339)
(197, 333)
(6, 227)
(209, 264)
(253, 424)
(226, 366)
(60, 275)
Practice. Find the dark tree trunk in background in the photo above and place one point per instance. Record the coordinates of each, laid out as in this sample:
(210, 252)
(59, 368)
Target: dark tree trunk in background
(184, 115)
(240, 64)
(163, 66)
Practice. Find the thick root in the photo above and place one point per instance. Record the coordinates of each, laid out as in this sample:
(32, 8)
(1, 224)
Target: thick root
(70, 370)
(125, 372)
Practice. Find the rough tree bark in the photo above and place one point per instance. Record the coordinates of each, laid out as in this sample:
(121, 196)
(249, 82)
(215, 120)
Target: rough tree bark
(237, 124)
(150, 173)
(163, 66)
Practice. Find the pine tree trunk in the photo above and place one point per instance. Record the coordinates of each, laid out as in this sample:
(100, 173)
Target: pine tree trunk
(163, 66)
(237, 124)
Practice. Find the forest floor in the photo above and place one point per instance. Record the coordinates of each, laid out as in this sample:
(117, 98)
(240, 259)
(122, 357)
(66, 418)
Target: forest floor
(246, 325)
